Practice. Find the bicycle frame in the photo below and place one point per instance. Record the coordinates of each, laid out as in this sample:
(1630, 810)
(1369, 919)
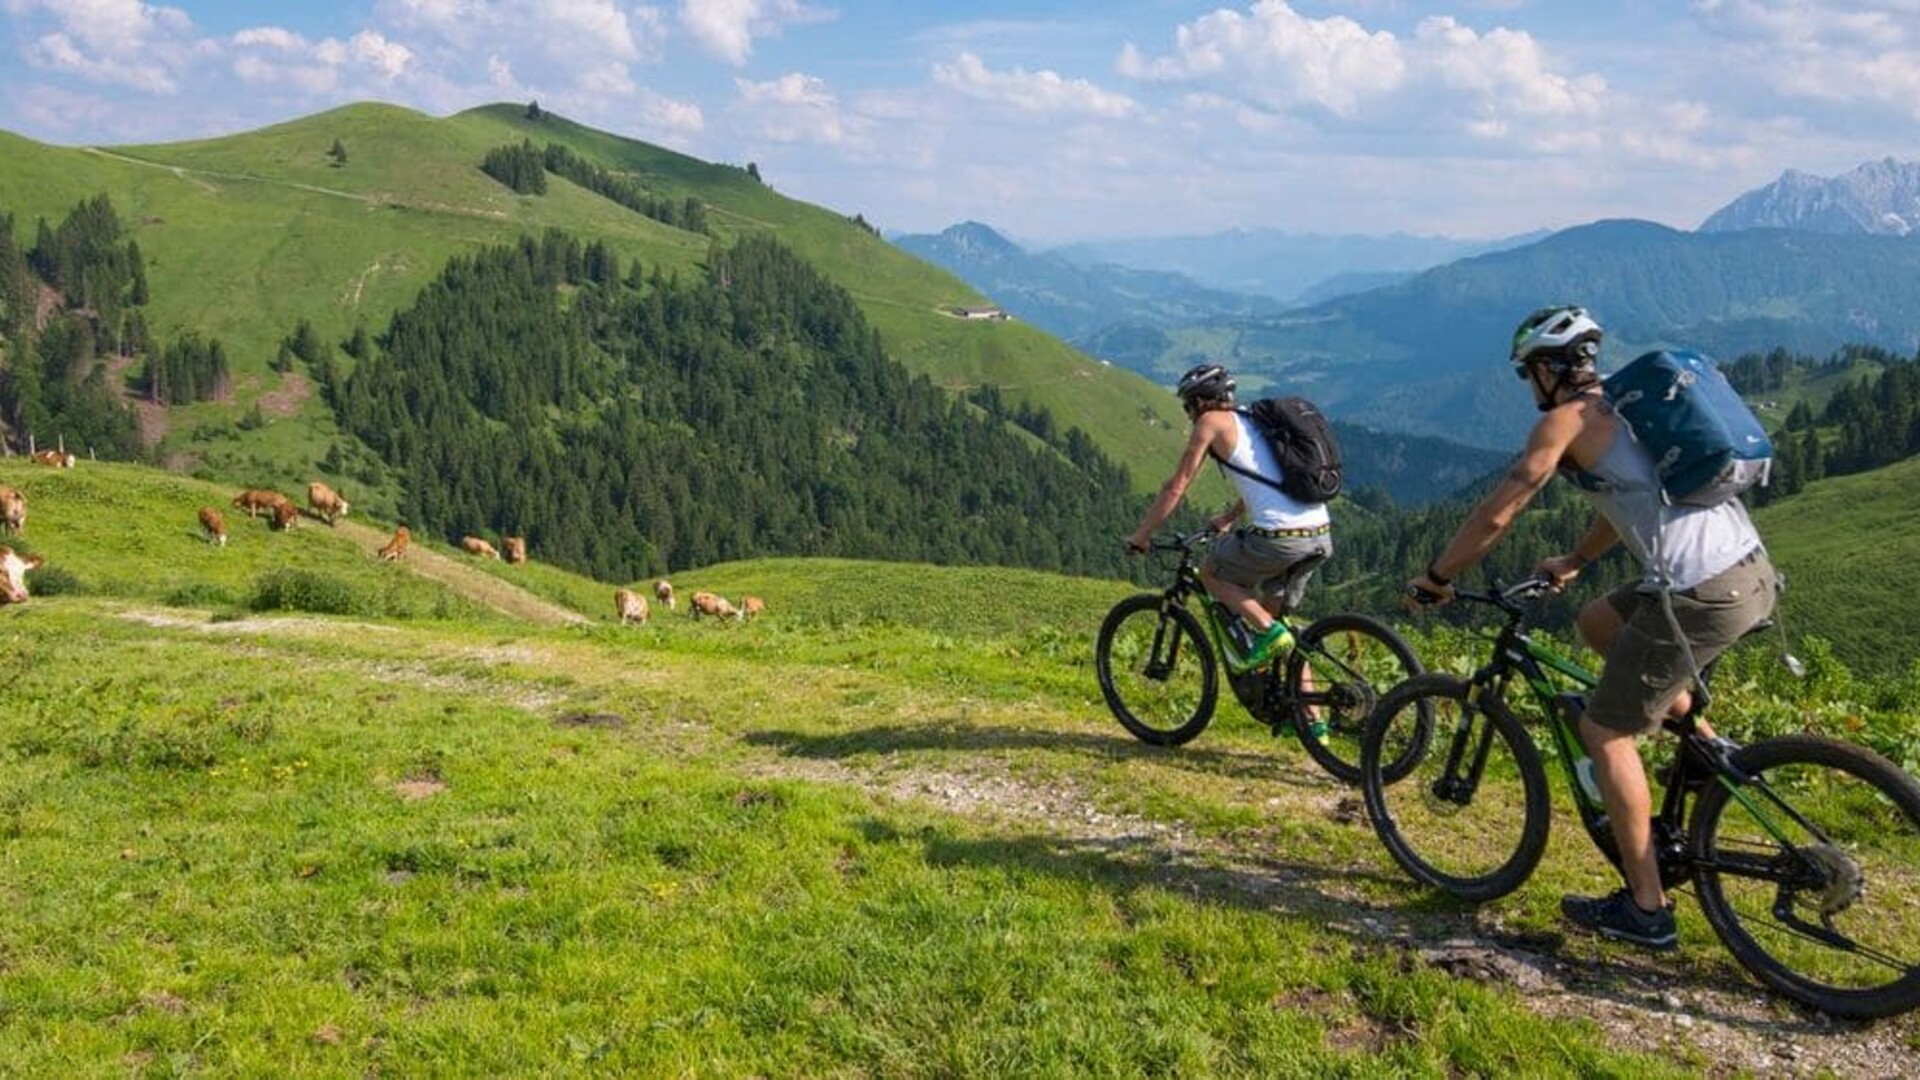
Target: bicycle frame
(1187, 583)
(1539, 666)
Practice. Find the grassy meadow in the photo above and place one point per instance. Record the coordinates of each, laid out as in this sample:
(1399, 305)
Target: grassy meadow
(888, 829)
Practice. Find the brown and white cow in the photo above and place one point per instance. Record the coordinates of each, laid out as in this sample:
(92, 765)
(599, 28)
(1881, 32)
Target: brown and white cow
(706, 603)
(257, 501)
(397, 546)
(663, 592)
(516, 549)
(13, 510)
(630, 606)
(13, 575)
(213, 525)
(285, 516)
(751, 606)
(58, 459)
(473, 545)
(326, 503)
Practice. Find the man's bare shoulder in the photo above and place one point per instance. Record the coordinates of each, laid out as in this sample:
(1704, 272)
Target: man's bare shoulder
(1218, 428)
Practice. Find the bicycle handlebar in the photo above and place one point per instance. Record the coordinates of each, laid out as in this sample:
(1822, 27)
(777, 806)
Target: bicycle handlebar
(1509, 599)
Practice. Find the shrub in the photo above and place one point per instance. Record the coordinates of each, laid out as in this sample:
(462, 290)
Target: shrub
(51, 580)
(202, 594)
(290, 589)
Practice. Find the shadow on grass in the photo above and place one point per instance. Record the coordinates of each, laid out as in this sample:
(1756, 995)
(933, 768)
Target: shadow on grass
(1695, 984)
(969, 737)
(1123, 864)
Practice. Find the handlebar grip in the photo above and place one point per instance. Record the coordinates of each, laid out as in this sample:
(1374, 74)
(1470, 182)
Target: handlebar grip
(1422, 596)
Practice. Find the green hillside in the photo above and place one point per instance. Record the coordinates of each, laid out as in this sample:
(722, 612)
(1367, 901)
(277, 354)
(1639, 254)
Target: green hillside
(1850, 548)
(247, 234)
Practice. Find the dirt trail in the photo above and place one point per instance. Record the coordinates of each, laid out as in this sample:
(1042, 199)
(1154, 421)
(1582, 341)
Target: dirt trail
(470, 582)
(1725, 1026)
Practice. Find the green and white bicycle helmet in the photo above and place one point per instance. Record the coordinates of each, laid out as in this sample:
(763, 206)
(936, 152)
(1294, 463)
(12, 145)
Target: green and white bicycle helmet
(1563, 337)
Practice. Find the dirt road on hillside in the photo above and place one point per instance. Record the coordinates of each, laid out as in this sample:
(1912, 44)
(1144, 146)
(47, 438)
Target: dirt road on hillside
(467, 580)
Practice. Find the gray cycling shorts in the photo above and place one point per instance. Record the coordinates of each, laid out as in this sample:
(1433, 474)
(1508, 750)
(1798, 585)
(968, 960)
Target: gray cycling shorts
(1274, 568)
(1646, 666)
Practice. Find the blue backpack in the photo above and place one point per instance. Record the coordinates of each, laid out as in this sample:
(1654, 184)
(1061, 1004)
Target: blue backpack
(1707, 446)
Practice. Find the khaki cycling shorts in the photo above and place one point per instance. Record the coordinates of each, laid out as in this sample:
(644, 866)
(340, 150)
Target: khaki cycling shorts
(1274, 568)
(1646, 667)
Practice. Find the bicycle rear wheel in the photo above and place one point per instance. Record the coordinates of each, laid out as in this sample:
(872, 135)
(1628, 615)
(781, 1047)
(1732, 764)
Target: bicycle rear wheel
(1339, 668)
(1156, 670)
(1823, 905)
(1469, 814)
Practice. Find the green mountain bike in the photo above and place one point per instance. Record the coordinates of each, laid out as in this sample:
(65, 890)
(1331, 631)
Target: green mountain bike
(1803, 851)
(1160, 664)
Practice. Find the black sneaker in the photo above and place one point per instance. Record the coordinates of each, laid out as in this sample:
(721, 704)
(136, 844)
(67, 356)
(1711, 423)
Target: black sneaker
(1617, 916)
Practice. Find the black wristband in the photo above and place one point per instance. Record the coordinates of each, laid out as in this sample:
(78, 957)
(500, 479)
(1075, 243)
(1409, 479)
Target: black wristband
(1435, 576)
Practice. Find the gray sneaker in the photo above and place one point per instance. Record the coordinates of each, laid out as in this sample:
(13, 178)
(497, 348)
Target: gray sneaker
(1617, 916)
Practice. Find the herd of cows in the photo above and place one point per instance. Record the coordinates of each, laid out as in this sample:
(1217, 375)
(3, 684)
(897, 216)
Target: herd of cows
(325, 504)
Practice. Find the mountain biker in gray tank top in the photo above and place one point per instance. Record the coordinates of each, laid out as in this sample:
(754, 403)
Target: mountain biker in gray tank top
(1679, 546)
(1706, 581)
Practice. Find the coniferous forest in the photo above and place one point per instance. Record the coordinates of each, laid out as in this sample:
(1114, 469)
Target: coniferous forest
(70, 304)
(629, 423)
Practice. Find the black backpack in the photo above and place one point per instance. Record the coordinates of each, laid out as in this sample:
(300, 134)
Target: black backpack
(1303, 444)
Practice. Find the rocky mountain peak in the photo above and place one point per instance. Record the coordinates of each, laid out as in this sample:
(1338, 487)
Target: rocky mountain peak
(1878, 198)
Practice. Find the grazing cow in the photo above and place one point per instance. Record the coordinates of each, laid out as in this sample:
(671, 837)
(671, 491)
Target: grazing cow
(327, 504)
(13, 575)
(213, 525)
(663, 592)
(13, 510)
(516, 546)
(59, 459)
(397, 546)
(285, 516)
(630, 606)
(751, 606)
(256, 501)
(473, 545)
(706, 603)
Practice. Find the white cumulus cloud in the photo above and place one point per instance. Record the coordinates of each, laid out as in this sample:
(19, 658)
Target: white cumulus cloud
(798, 108)
(1044, 92)
(1840, 52)
(1279, 58)
(727, 28)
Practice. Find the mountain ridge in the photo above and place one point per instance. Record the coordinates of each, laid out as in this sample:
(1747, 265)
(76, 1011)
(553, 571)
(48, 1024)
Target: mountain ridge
(251, 232)
(1879, 198)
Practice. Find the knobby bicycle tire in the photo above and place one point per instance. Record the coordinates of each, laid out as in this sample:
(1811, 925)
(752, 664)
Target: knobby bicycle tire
(1156, 670)
(1353, 660)
(1775, 905)
(1469, 812)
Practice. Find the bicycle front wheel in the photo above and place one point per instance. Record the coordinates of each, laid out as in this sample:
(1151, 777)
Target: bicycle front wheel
(1810, 873)
(1339, 669)
(1156, 670)
(1469, 813)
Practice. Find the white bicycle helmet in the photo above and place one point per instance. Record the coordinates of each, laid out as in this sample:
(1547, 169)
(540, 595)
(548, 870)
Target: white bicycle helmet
(1565, 337)
(1205, 382)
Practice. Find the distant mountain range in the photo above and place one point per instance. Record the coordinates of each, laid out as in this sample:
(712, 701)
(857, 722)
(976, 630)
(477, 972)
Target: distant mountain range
(1880, 198)
(1295, 267)
(1428, 355)
(1072, 300)
(1804, 264)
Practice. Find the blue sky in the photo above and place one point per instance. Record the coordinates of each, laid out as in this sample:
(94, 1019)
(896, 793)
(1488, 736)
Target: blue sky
(1059, 121)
